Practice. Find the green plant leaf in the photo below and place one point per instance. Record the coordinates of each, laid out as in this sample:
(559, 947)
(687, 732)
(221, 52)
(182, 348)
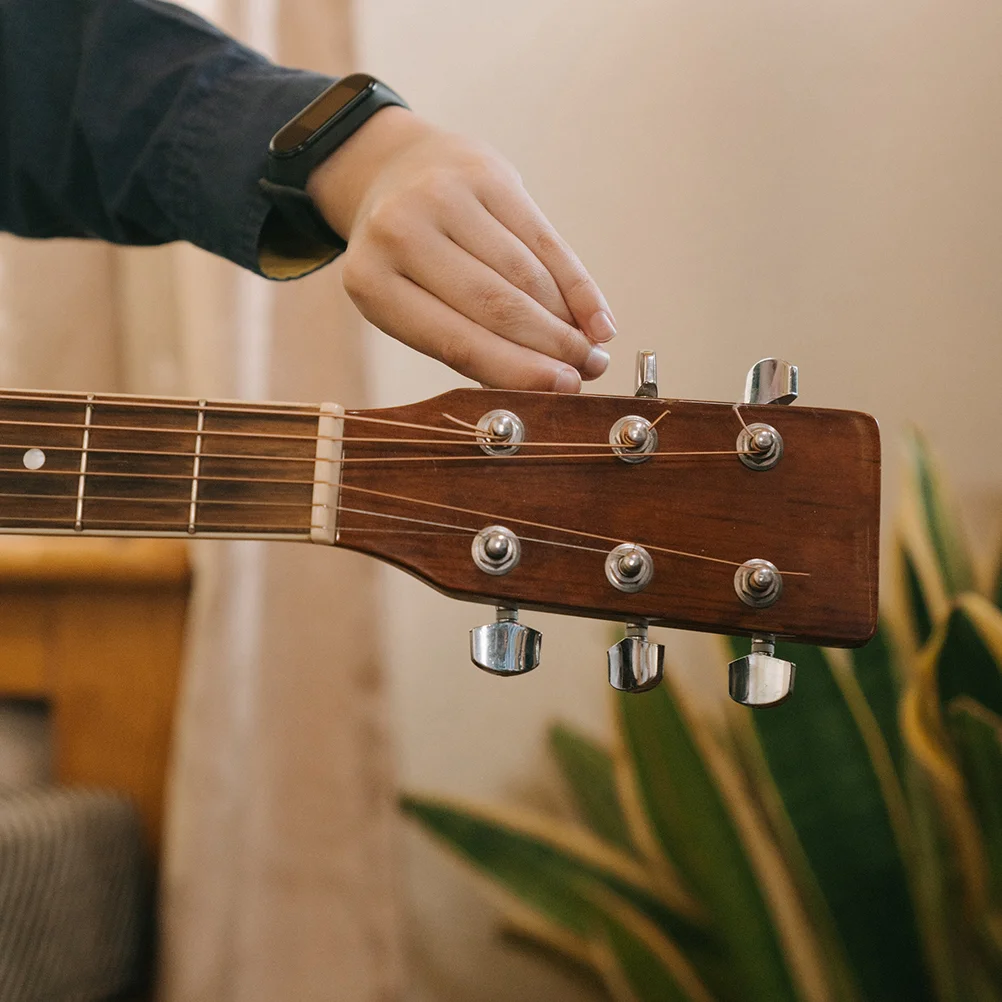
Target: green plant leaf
(590, 774)
(691, 821)
(977, 734)
(996, 591)
(652, 967)
(574, 956)
(834, 795)
(920, 617)
(939, 520)
(548, 867)
(969, 662)
(873, 666)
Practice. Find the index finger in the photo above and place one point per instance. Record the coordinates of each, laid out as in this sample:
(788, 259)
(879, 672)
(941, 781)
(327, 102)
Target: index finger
(515, 209)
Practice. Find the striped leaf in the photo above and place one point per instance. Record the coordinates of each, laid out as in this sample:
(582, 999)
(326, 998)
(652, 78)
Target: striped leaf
(692, 823)
(589, 772)
(645, 962)
(939, 522)
(549, 868)
(873, 667)
(977, 735)
(835, 793)
(969, 661)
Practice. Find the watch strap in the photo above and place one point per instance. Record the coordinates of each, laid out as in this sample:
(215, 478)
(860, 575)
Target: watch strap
(294, 169)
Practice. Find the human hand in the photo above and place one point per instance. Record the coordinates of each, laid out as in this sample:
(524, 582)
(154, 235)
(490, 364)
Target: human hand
(449, 254)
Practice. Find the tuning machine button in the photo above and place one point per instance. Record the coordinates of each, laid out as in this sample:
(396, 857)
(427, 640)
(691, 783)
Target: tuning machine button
(636, 664)
(503, 433)
(496, 550)
(629, 567)
(505, 647)
(760, 679)
(633, 438)
(758, 583)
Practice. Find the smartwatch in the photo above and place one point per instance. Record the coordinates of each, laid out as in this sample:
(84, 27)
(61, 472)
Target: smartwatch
(312, 136)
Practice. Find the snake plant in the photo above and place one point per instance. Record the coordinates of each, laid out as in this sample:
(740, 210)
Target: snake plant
(844, 846)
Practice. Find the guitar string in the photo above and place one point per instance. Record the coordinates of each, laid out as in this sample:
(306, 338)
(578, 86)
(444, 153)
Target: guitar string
(479, 431)
(458, 529)
(312, 459)
(97, 524)
(552, 528)
(219, 409)
(186, 500)
(362, 439)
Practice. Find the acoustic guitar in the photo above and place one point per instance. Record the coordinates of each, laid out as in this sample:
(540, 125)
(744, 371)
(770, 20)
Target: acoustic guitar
(751, 519)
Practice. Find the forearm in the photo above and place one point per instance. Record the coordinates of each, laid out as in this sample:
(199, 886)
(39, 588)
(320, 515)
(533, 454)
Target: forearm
(136, 122)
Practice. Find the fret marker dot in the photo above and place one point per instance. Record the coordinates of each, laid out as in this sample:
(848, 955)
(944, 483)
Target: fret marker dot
(34, 459)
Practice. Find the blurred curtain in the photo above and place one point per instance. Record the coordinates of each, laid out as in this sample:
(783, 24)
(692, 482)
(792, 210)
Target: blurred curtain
(279, 878)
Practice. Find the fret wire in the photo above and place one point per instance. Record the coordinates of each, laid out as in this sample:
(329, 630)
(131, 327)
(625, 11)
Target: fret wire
(195, 466)
(88, 414)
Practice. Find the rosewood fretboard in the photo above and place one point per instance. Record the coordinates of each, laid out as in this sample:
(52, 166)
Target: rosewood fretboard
(88, 463)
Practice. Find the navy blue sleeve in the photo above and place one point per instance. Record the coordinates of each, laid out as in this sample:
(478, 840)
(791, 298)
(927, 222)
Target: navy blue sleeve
(137, 122)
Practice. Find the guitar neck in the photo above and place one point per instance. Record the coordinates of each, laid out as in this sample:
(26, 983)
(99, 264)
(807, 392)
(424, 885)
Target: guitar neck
(109, 464)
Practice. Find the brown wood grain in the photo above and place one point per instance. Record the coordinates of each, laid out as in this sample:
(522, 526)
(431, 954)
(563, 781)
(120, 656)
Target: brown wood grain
(816, 512)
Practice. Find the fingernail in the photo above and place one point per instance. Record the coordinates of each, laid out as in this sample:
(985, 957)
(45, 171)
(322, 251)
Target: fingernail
(568, 381)
(601, 327)
(596, 363)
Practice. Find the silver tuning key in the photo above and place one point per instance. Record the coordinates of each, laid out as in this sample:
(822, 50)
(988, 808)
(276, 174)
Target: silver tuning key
(771, 381)
(647, 374)
(636, 664)
(760, 679)
(505, 647)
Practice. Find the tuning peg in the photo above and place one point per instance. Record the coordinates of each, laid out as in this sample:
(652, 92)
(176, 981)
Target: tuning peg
(635, 663)
(647, 374)
(505, 647)
(759, 679)
(771, 381)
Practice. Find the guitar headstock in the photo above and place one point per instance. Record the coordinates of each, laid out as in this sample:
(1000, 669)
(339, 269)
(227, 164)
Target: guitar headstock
(751, 519)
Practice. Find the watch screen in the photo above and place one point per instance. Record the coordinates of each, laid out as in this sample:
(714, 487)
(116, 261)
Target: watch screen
(292, 136)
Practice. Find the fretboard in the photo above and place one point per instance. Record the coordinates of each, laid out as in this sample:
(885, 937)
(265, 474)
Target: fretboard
(74, 463)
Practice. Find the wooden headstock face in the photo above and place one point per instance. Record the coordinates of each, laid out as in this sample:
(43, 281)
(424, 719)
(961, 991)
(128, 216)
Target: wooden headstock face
(693, 504)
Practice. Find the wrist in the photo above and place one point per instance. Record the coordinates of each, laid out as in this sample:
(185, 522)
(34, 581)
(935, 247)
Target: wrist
(338, 184)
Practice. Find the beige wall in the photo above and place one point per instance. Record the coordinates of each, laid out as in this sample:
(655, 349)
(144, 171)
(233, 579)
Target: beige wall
(818, 180)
